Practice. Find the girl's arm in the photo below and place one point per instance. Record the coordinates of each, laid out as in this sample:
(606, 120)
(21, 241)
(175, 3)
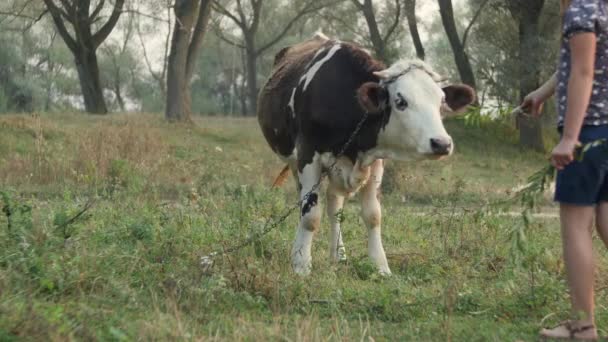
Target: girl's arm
(547, 89)
(580, 85)
(533, 103)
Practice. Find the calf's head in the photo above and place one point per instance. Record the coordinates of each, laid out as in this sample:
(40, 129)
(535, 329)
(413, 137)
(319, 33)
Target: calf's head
(408, 91)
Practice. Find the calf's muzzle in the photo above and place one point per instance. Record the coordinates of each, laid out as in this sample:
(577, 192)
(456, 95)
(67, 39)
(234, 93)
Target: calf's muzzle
(441, 146)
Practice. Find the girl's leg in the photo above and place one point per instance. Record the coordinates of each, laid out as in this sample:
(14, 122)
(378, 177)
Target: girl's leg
(578, 256)
(576, 224)
(601, 219)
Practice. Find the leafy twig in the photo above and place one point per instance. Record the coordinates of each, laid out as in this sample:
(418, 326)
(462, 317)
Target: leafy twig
(65, 223)
(529, 196)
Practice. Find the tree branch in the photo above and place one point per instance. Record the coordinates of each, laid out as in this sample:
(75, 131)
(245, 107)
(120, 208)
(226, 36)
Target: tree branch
(25, 16)
(358, 4)
(20, 14)
(222, 37)
(146, 15)
(257, 15)
(223, 11)
(199, 30)
(241, 12)
(145, 55)
(331, 19)
(106, 29)
(465, 36)
(97, 10)
(410, 14)
(393, 27)
(67, 6)
(306, 10)
(63, 31)
(163, 72)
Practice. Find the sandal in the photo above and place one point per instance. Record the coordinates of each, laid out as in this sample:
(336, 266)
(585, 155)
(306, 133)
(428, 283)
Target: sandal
(568, 330)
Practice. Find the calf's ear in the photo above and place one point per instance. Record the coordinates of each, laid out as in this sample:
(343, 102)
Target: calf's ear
(372, 97)
(457, 98)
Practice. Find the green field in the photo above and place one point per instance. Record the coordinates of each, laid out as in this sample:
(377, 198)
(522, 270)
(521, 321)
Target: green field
(161, 196)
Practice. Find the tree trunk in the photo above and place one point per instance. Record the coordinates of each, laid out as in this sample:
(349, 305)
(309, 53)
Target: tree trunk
(83, 43)
(460, 56)
(410, 14)
(88, 74)
(177, 108)
(118, 93)
(243, 102)
(191, 21)
(527, 13)
(242, 88)
(252, 73)
(374, 32)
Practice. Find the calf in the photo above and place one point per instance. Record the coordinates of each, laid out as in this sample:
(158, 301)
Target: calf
(318, 93)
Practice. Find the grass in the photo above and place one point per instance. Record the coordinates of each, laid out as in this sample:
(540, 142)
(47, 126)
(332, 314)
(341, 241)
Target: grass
(164, 195)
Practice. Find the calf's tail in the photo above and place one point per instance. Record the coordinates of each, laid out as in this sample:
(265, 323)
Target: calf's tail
(281, 178)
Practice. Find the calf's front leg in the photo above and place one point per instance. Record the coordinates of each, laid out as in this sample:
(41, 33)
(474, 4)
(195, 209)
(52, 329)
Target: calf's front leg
(310, 217)
(371, 213)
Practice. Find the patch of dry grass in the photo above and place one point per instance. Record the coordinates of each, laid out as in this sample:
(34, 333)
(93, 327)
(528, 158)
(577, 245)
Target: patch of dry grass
(56, 155)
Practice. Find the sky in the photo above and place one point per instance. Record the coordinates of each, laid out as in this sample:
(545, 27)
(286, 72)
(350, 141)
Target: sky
(430, 7)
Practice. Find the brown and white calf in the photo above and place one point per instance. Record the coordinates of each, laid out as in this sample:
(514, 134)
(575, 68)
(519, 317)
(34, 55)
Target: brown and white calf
(316, 95)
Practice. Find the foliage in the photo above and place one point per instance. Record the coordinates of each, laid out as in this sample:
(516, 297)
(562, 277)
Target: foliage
(35, 72)
(219, 84)
(494, 48)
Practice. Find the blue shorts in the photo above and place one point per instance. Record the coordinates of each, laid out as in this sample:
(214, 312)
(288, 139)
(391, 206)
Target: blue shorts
(585, 182)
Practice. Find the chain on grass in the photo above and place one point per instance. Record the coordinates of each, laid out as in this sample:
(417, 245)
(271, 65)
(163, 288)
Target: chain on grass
(208, 260)
(7, 210)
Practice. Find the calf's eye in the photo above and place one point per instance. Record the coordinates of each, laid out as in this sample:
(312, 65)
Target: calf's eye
(401, 102)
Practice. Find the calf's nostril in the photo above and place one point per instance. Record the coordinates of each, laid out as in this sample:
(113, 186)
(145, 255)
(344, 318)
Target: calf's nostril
(435, 144)
(441, 146)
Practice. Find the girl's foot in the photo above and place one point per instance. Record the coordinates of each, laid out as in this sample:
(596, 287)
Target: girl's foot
(571, 330)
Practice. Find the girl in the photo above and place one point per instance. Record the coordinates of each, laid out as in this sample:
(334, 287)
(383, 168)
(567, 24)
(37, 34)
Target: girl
(581, 83)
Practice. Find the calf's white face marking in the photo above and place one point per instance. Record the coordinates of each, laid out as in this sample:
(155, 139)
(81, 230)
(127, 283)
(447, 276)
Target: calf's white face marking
(415, 100)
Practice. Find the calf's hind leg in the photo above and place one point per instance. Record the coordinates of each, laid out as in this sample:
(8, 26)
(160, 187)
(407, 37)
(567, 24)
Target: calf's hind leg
(371, 213)
(310, 218)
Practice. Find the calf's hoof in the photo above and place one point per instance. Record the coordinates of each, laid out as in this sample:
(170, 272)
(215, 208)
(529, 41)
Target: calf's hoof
(302, 269)
(301, 264)
(341, 257)
(385, 272)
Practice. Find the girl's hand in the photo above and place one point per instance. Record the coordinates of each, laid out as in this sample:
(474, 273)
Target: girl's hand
(533, 103)
(563, 153)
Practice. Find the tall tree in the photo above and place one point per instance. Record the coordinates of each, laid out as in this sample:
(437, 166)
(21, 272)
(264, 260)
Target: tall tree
(495, 45)
(120, 61)
(379, 40)
(191, 19)
(159, 76)
(412, 22)
(248, 20)
(458, 47)
(527, 14)
(83, 42)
